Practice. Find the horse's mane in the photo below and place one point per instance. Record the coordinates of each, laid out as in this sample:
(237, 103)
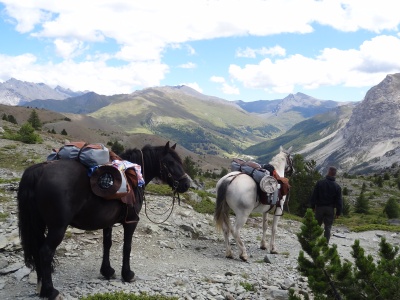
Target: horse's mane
(135, 154)
(278, 159)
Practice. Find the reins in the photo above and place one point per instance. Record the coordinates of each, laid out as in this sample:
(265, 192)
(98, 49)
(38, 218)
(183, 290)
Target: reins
(175, 187)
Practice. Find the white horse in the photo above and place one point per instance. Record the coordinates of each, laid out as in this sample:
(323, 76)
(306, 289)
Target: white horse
(238, 191)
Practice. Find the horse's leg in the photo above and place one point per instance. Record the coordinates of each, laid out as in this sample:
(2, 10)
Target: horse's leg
(228, 249)
(263, 244)
(106, 270)
(239, 223)
(277, 214)
(126, 273)
(46, 253)
(40, 241)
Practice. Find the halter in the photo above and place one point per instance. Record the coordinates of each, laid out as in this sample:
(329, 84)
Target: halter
(289, 165)
(164, 171)
(175, 183)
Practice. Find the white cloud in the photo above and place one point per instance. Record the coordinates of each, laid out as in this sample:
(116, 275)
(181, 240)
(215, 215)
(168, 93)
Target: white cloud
(90, 75)
(352, 68)
(150, 24)
(194, 85)
(230, 89)
(189, 65)
(252, 53)
(217, 79)
(225, 88)
(142, 31)
(70, 49)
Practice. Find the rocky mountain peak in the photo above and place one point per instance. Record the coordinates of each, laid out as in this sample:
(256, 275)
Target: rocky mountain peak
(376, 118)
(16, 92)
(370, 140)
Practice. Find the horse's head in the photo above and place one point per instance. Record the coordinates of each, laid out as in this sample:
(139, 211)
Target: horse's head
(171, 170)
(289, 169)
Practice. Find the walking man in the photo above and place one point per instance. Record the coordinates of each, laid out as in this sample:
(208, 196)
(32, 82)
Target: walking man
(327, 196)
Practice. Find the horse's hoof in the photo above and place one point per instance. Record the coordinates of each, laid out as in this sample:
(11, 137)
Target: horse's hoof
(108, 274)
(229, 257)
(263, 248)
(128, 276)
(55, 295)
(244, 258)
(274, 252)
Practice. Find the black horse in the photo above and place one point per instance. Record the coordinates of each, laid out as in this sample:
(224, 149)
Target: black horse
(53, 195)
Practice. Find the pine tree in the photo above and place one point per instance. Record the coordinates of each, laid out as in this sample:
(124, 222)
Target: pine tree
(345, 191)
(346, 207)
(362, 204)
(190, 168)
(34, 120)
(302, 184)
(64, 132)
(329, 278)
(11, 119)
(322, 264)
(117, 147)
(379, 181)
(392, 208)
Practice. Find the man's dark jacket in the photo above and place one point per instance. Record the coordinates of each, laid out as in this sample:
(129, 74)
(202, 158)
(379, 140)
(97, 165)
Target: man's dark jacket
(327, 193)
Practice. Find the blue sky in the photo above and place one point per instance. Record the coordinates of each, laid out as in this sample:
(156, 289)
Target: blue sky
(233, 49)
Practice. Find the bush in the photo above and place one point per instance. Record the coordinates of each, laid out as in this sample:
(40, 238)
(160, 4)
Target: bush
(329, 278)
(27, 134)
(392, 208)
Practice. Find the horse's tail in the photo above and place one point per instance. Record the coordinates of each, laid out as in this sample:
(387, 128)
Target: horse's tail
(31, 226)
(221, 214)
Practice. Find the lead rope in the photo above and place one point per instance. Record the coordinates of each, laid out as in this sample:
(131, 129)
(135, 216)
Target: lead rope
(145, 203)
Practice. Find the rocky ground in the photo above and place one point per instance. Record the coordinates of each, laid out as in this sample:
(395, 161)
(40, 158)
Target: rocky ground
(182, 257)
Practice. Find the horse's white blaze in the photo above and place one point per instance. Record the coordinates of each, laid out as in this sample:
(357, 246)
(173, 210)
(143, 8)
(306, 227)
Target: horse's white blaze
(241, 196)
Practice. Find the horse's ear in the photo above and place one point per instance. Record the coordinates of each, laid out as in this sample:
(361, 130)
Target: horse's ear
(173, 146)
(166, 146)
(280, 148)
(289, 150)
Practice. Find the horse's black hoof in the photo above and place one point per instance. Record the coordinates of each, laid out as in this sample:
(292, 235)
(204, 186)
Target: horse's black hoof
(229, 257)
(128, 276)
(274, 252)
(263, 248)
(108, 274)
(53, 295)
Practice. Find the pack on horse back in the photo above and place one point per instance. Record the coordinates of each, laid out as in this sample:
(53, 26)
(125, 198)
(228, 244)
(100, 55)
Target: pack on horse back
(110, 176)
(271, 187)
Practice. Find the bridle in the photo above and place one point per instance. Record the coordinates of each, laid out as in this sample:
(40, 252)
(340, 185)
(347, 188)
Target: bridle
(289, 170)
(164, 174)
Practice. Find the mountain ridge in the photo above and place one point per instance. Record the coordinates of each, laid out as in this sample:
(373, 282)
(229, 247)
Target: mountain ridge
(356, 136)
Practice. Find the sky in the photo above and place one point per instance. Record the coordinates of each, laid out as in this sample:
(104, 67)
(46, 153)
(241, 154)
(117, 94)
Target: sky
(233, 49)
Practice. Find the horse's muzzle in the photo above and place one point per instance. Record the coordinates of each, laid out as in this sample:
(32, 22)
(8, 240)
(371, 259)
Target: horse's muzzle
(183, 184)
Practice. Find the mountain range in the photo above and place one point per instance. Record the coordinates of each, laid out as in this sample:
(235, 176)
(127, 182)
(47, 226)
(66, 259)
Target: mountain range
(356, 136)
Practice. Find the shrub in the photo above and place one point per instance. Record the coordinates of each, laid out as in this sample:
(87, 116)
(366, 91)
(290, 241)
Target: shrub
(329, 278)
(26, 134)
(392, 208)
